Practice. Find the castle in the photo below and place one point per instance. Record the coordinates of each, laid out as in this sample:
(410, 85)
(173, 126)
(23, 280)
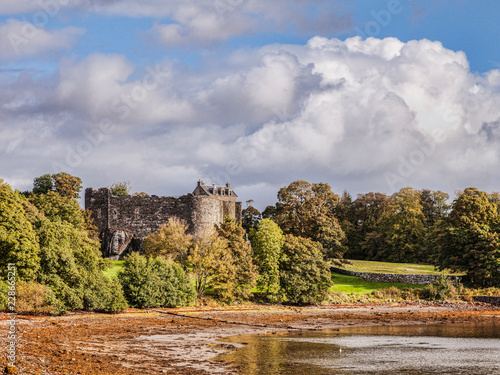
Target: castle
(124, 222)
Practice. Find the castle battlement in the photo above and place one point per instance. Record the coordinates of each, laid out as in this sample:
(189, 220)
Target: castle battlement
(124, 222)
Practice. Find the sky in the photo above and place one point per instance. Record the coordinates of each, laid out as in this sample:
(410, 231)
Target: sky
(363, 95)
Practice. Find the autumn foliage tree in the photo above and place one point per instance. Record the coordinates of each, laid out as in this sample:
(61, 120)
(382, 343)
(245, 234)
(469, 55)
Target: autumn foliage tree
(170, 240)
(308, 210)
(239, 279)
(209, 257)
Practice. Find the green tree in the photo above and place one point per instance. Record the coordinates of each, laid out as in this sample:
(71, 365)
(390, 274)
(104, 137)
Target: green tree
(402, 227)
(240, 278)
(120, 189)
(71, 263)
(250, 218)
(267, 244)
(43, 184)
(304, 276)
(58, 208)
(170, 241)
(434, 206)
(308, 210)
(155, 282)
(18, 242)
(365, 241)
(208, 257)
(468, 238)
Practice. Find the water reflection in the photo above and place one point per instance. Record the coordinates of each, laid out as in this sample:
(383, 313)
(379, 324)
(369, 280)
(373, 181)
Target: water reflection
(415, 350)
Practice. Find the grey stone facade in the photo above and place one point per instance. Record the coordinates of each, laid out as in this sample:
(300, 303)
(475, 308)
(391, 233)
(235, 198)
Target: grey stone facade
(124, 222)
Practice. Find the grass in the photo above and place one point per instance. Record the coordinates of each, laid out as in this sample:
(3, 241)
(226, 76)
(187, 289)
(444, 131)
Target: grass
(398, 268)
(351, 284)
(112, 272)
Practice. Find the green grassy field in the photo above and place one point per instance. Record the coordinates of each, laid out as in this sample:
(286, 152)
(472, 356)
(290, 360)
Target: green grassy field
(385, 267)
(351, 284)
(343, 283)
(111, 273)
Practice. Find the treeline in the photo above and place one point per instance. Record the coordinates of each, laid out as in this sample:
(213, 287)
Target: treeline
(55, 251)
(283, 254)
(418, 226)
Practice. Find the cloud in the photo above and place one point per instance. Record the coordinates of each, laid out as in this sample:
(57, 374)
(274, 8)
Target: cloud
(21, 38)
(204, 23)
(366, 115)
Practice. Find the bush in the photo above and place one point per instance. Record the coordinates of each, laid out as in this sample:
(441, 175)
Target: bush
(155, 282)
(34, 298)
(440, 290)
(391, 292)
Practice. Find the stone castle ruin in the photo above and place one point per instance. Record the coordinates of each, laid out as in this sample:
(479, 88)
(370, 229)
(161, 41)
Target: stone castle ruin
(124, 222)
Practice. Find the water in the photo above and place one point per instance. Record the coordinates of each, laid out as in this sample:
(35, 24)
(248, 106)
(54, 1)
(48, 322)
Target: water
(412, 350)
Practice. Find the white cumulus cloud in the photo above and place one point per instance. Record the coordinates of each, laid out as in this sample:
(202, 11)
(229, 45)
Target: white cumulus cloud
(21, 38)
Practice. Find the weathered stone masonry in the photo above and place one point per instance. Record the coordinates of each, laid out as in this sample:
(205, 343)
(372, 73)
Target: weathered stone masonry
(392, 277)
(124, 222)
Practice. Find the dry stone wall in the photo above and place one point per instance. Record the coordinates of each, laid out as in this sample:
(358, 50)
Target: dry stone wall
(488, 299)
(389, 277)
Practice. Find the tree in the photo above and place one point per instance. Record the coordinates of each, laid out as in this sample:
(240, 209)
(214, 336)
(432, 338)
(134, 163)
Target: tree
(63, 183)
(59, 208)
(434, 206)
(304, 276)
(267, 245)
(308, 210)
(250, 218)
(495, 198)
(155, 282)
(468, 238)
(240, 277)
(120, 189)
(208, 257)
(402, 226)
(43, 184)
(365, 242)
(18, 242)
(170, 241)
(67, 185)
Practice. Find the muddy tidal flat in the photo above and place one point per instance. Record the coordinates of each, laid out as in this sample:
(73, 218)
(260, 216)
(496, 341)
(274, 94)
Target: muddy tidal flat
(150, 342)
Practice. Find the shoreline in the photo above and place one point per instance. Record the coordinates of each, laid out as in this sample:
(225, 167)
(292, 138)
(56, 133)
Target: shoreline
(147, 342)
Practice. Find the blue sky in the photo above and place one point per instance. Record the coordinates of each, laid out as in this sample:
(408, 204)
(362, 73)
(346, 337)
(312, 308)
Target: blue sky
(364, 95)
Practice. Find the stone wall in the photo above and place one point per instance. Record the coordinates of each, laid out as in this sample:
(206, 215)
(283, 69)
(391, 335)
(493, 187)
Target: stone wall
(488, 299)
(389, 277)
(144, 215)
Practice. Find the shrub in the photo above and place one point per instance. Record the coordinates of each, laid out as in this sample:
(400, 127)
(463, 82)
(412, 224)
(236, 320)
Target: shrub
(391, 292)
(440, 290)
(34, 298)
(155, 282)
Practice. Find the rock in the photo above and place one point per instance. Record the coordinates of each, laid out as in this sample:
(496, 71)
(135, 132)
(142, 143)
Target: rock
(117, 242)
